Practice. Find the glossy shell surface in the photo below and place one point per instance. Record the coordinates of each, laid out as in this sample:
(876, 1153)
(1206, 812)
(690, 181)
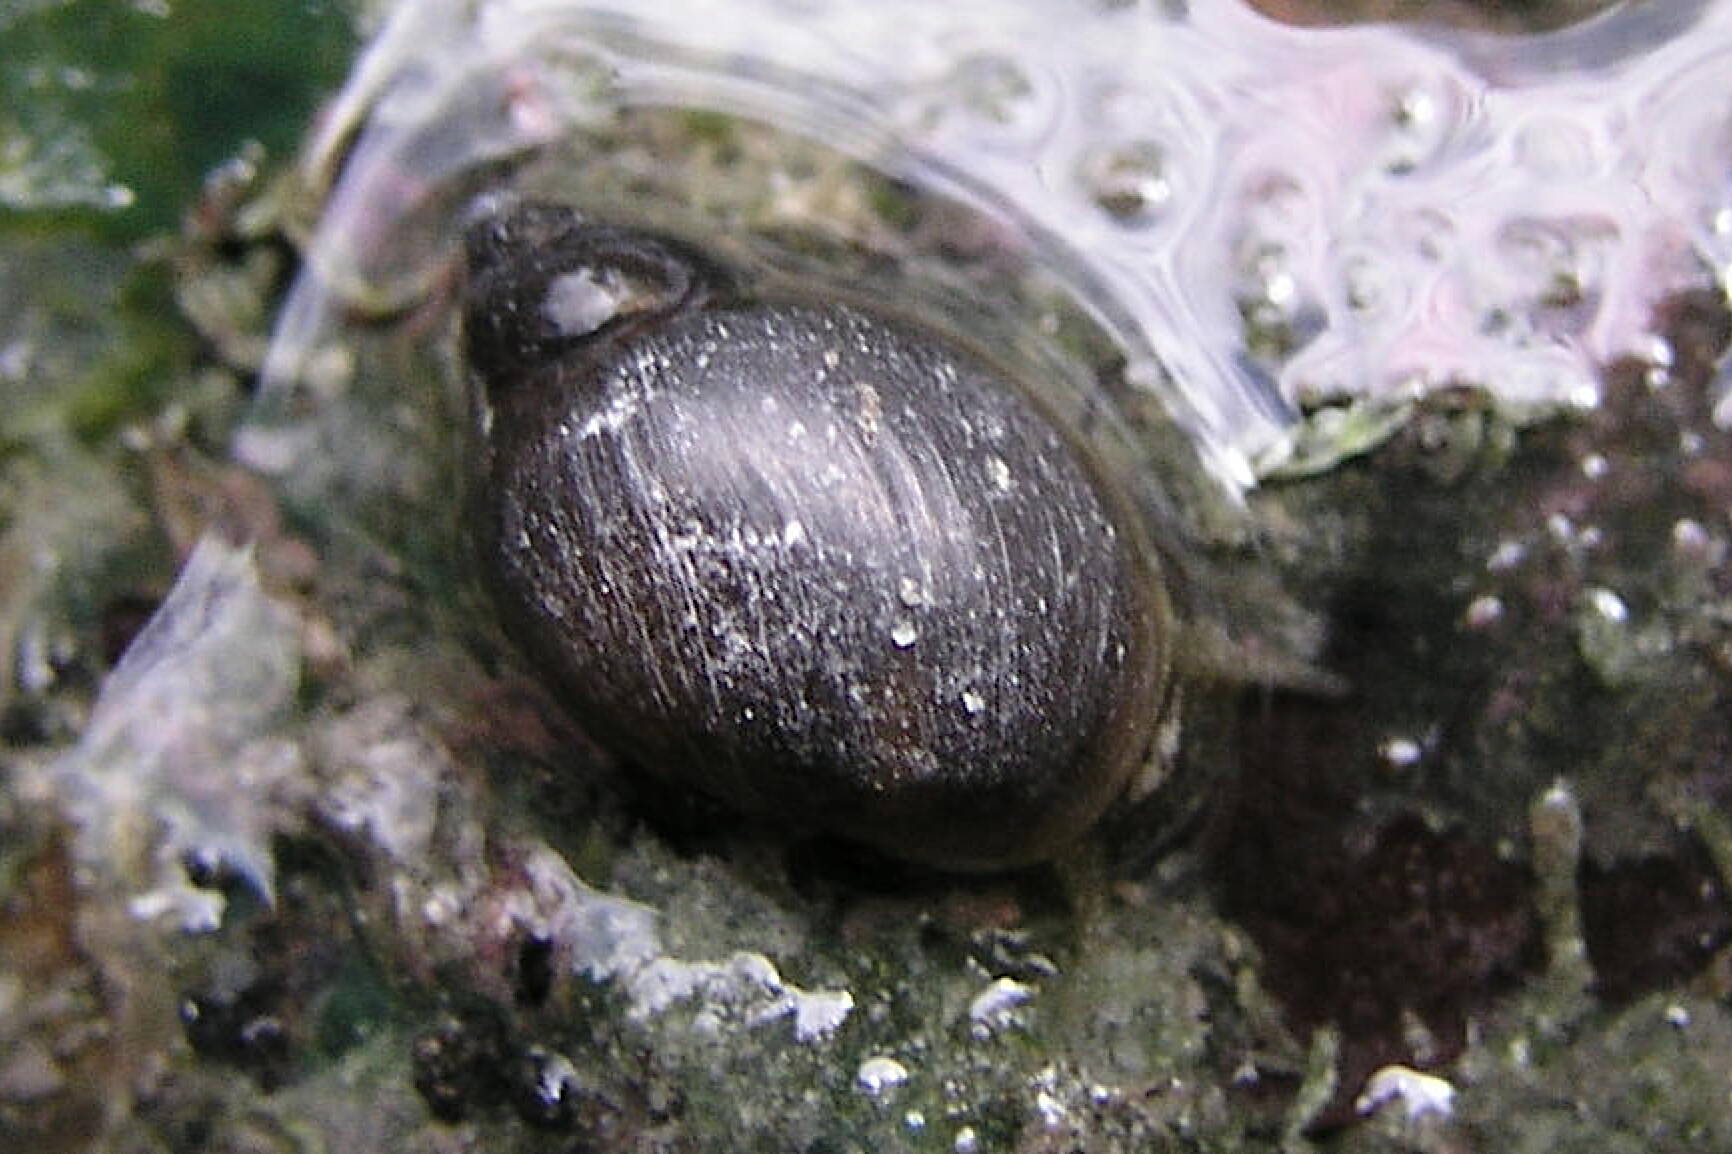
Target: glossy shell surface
(815, 562)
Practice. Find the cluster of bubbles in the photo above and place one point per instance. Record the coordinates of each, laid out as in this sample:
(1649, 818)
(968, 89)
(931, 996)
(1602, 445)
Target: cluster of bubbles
(1265, 217)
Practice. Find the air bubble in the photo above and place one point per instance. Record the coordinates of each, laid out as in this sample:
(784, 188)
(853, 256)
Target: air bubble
(1128, 181)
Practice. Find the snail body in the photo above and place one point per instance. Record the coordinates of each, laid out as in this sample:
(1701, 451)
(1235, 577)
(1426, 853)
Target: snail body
(814, 562)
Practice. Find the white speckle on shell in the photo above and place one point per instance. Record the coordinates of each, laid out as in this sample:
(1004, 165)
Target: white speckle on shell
(1608, 605)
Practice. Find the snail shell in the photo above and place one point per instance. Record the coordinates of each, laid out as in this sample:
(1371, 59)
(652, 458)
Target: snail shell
(815, 562)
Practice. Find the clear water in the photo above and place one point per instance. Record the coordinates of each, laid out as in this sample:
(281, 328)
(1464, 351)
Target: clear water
(1264, 217)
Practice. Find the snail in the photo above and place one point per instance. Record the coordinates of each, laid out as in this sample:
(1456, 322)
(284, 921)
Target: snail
(810, 560)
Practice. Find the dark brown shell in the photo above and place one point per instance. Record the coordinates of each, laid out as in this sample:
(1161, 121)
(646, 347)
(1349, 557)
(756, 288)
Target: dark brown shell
(814, 562)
